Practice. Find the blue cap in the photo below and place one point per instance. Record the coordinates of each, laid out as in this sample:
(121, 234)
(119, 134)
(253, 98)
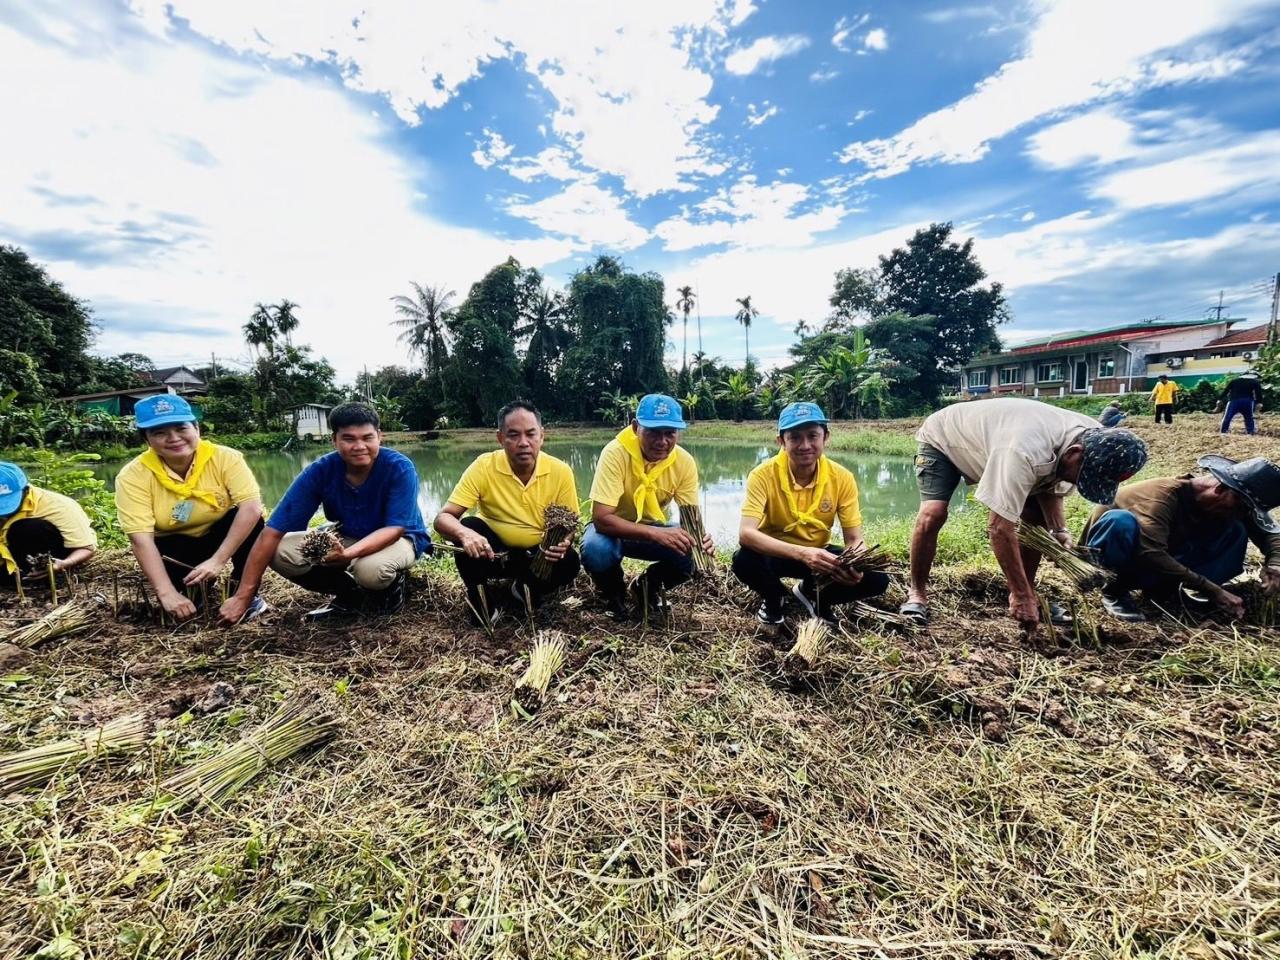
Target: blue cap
(797, 414)
(13, 485)
(163, 408)
(657, 411)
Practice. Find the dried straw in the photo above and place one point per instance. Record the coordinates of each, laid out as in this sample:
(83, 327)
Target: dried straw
(1085, 575)
(58, 622)
(546, 657)
(299, 723)
(861, 558)
(558, 522)
(38, 765)
(811, 637)
(691, 522)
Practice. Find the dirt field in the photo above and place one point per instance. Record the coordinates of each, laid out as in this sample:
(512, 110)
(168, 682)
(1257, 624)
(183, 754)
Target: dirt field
(956, 792)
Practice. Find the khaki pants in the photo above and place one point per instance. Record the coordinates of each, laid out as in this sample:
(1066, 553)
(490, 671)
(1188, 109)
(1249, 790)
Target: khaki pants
(374, 572)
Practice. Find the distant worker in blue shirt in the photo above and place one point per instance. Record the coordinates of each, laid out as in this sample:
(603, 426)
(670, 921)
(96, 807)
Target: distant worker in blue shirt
(371, 495)
(1243, 396)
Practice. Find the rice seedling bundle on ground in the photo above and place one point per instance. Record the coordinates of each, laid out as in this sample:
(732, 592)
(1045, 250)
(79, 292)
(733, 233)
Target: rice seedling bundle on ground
(299, 723)
(1085, 575)
(691, 523)
(546, 657)
(58, 622)
(318, 544)
(29, 768)
(861, 558)
(558, 522)
(811, 637)
(861, 610)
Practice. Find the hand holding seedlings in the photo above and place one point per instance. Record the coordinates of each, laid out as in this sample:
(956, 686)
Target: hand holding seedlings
(322, 546)
(560, 526)
(1271, 580)
(673, 538)
(477, 547)
(825, 564)
(204, 572)
(176, 605)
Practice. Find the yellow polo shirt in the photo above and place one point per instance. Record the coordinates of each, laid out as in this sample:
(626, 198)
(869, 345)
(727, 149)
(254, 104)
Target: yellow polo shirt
(65, 514)
(512, 509)
(1163, 393)
(145, 506)
(614, 484)
(767, 503)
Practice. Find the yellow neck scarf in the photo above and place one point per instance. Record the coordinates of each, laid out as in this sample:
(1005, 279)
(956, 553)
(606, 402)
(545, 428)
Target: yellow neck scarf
(783, 465)
(186, 489)
(24, 510)
(646, 495)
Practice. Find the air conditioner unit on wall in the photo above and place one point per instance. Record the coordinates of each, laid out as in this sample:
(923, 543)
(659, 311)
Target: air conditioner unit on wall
(1173, 363)
(1247, 355)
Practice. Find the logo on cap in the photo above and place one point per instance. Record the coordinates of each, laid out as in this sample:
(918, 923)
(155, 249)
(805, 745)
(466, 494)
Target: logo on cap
(5, 490)
(661, 410)
(802, 410)
(163, 406)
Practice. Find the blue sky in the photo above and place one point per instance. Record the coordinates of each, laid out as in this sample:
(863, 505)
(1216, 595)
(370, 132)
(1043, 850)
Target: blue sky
(176, 161)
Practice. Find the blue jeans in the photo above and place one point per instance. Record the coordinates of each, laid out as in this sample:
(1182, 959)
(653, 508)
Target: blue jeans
(1216, 552)
(1242, 406)
(601, 554)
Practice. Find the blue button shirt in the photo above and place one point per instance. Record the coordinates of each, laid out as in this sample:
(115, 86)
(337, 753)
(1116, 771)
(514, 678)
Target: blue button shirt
(387, 498)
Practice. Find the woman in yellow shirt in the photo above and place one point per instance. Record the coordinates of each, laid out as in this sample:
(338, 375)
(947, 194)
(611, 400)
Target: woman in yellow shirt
(793, 502)
(35, 522)
(187, 505)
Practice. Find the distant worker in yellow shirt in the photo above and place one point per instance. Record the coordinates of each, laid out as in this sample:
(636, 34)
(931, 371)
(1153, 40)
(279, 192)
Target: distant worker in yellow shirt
(34, 521)
(188, 506)
(510, 489)
(1162, 395)
(793, 502)
(638, 474)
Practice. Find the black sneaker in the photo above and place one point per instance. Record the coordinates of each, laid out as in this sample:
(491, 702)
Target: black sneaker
(1122, 607)
(341, 607)
(391, 600)
(812, 605)
(771, 618)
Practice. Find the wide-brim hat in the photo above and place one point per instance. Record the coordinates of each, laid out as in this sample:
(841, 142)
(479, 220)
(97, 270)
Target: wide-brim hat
(13, 487)
(1111, 456)
(1257, 481)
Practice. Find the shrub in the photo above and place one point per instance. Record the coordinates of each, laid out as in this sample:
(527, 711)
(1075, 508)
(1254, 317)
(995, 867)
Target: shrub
(66, 474)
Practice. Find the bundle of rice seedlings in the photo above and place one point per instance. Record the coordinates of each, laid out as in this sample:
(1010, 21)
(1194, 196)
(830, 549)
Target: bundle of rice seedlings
(861, 558)
(862, 610)
(1085, 575)
(546, 657)
(811, 637)
(30, 768)
(691, 522)
(299, 723)
(318, 544)
(58, 622)
(558, 522)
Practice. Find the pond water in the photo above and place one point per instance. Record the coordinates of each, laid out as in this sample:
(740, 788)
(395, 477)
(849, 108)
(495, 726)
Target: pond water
(886, 485)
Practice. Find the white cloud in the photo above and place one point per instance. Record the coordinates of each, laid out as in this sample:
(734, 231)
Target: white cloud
(876, 39)
(1028, 216)
(629, 99)
(844, 28)
(1247, 166)
(861, 115)
(765, 50)
(751, 215)
(173, 188)
(1101, 136)
(1078, 52)
(491, 150)
(757, 116)
(553, 162)
(951, 14)
(823, 75)
(585, 213)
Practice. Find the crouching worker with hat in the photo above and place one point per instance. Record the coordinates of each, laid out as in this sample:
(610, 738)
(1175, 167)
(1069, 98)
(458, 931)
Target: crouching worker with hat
(35, 522)
(188, 506)
(793, 501)
(638, 474)
(371, 495)
(510, 490)
(1181, 538)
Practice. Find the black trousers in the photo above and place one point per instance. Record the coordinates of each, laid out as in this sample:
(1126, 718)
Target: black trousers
(764, 574)
(190, 551)
(27, 538)
(514, 566)
(1164, 410)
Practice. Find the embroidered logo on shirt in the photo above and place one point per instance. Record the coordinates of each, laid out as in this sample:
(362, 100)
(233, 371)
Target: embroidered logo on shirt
(181, 511)
(825, 505)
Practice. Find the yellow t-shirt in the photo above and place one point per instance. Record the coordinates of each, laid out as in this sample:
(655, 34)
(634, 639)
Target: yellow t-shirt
(614, 483)
(1163, 393)
(145, 506)
(767, 503)
(515, 511)
(64, 513)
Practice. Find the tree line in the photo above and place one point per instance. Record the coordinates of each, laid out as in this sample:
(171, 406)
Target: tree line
(586, 352)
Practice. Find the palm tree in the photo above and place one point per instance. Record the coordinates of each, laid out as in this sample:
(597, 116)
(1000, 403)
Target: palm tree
(259, 332)
(684, 304)
(285, 321)
(746, 313)
(422, 319)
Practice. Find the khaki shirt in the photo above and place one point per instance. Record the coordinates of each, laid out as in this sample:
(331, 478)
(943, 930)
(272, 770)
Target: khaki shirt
(1009, 447)
(1167, 517)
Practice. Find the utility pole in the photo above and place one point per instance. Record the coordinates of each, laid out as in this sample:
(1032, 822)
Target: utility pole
(213, 365)
(1220, 305)
(1275, 309)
